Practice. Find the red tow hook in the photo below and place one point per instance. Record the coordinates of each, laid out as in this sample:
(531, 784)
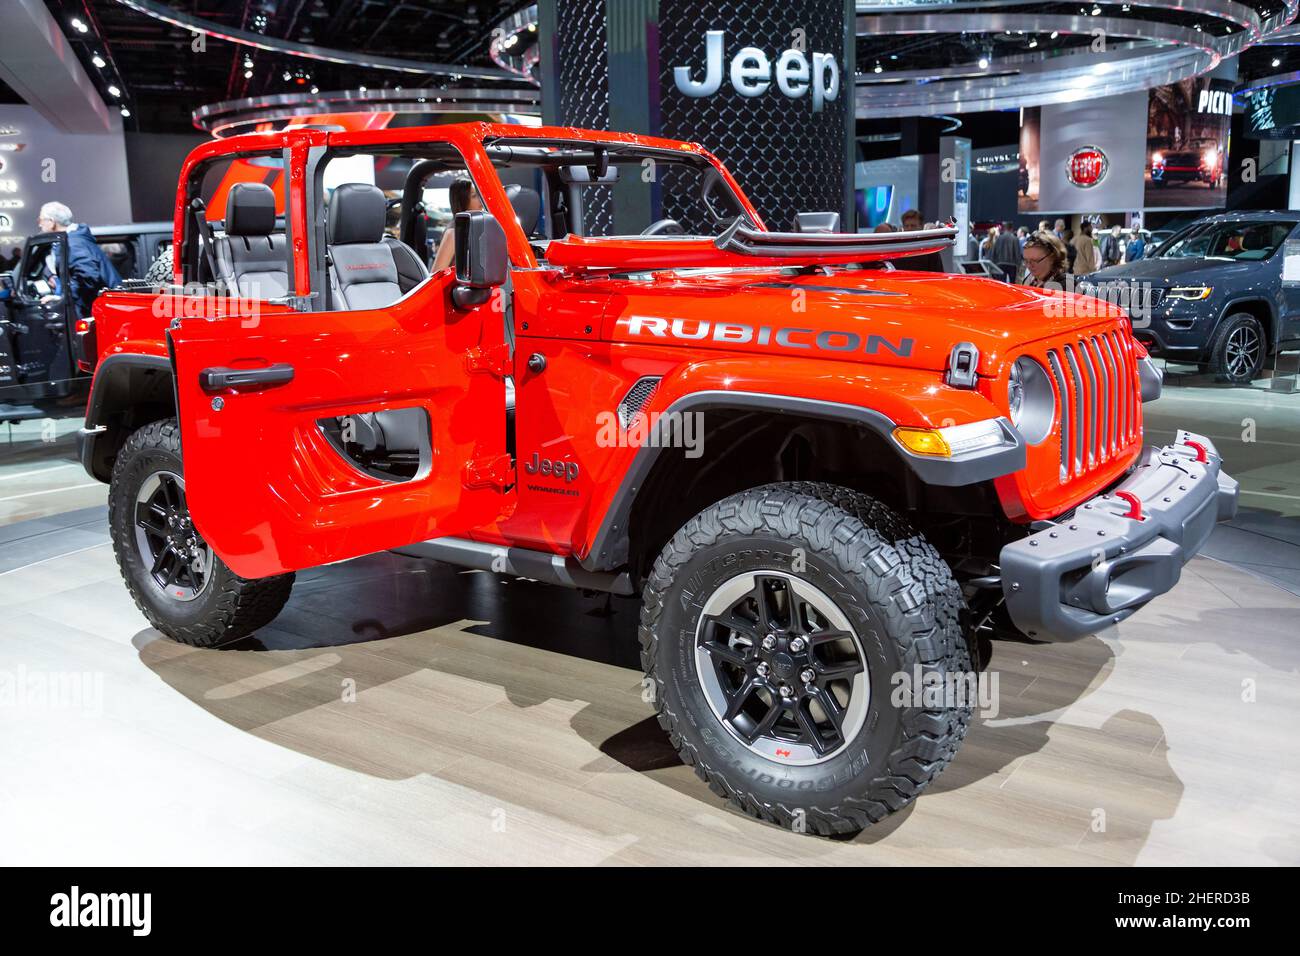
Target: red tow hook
(1202, 455)
(1134, 504)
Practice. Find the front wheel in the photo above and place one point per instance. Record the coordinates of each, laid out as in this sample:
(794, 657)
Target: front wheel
(789, 631)
(1237, 355)
(183, 589)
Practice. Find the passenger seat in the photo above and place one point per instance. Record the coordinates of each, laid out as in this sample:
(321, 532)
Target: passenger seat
(251, 257)
(367, 270)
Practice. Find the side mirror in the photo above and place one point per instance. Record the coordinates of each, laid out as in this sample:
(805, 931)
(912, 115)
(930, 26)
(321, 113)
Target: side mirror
(816, 222)
(481, 260)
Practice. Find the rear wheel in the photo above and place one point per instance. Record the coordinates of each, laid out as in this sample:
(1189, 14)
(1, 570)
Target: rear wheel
(183, 589)
(1237, 354)
(779, 626)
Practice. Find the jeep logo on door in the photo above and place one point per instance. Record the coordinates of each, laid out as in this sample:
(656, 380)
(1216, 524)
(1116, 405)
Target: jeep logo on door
(1086, 167)
(752, 73)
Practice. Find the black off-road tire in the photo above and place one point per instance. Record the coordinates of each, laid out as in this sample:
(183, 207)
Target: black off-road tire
(228, 607)
(900, 597)
(1222, 362)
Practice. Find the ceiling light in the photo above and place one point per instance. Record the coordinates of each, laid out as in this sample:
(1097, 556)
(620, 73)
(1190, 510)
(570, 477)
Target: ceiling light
(878, 69)
(98, 61)
(1096, 11)
(78, 25)
(361, 89)
(287, 75)
(984, 63)
(248, 74)
(1055, 34)
(113, 90)
(125, 112)
(1276, 61)
(1033, 42)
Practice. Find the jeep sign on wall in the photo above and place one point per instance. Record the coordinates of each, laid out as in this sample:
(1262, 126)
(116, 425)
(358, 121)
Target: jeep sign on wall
(752, 72)
(767, 87)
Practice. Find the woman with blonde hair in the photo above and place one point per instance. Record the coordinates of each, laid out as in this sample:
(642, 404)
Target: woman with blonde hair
(1044, 257)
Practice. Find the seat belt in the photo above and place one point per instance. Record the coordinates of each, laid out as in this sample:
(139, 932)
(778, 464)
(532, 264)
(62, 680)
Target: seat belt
(206, 240)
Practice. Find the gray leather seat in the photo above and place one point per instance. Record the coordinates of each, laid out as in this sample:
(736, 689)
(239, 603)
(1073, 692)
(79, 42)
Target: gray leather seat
(251, 256)
(367, 269)
(527, 204)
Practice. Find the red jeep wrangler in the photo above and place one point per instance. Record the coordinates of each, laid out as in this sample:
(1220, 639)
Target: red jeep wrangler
(830, 482)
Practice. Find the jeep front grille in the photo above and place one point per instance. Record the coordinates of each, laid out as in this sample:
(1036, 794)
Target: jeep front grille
(1097, 400)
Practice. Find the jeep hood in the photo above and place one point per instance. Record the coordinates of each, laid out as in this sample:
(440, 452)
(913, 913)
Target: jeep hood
(904, 319)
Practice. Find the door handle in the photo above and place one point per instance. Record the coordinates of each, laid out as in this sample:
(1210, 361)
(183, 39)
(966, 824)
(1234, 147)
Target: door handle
(217, 379)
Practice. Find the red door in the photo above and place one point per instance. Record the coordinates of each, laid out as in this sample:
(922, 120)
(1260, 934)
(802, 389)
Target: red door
(270, 488)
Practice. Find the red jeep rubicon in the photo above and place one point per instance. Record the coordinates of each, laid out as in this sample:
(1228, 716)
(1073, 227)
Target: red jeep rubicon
(829, 481)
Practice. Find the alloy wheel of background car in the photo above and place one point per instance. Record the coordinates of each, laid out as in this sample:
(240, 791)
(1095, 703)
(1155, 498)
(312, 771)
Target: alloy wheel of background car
(1242, 351)
(1237, 354)
(180, 561)
(782, 667)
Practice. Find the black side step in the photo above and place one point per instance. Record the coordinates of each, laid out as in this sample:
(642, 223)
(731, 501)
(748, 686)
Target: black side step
(520, 562)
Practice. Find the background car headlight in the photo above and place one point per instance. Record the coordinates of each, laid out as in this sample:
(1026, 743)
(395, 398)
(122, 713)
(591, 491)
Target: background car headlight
(1192, 293)
(1031, 403)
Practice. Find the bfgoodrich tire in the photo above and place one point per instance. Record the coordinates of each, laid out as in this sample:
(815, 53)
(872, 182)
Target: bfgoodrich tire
(182, 588)
(1237, 353)
(825, 561)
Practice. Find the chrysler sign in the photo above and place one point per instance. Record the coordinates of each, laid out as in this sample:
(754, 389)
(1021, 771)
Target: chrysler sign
(752, 73)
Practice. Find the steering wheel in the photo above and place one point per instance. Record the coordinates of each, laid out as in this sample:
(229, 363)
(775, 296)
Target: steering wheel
(664, 227)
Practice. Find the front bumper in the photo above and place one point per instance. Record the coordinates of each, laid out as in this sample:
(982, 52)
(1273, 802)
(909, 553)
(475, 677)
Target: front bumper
(1097, 568)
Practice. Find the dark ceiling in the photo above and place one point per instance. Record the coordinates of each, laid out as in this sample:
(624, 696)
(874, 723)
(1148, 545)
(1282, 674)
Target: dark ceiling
(162, 78)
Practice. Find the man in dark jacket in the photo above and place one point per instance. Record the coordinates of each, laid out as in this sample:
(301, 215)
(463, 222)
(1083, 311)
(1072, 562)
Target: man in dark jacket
(1112, 248)
(89, 269)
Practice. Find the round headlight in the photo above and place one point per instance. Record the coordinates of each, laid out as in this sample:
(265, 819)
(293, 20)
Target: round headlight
(1031, 403)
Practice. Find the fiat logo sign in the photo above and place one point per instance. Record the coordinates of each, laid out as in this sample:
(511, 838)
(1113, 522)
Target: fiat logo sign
(1086, 167)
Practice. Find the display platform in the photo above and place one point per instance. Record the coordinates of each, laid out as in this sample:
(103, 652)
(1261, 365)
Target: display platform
(403, 712)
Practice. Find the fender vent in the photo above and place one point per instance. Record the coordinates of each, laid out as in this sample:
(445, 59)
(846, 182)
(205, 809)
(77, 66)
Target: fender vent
(636, 399)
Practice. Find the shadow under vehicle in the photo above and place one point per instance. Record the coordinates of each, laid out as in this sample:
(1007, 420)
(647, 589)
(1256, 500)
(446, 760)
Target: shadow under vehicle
(1213, 294)
(40, 371)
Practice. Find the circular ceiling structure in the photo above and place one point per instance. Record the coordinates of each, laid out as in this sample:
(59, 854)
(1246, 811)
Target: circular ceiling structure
(926, 57)
(246, 115)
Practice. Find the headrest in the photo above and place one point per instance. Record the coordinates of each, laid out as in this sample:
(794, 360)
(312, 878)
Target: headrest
(527, 203)
(250, 210)
(357, 212)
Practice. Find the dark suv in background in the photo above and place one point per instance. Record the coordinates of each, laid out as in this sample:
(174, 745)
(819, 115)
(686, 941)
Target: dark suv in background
(1213, 294)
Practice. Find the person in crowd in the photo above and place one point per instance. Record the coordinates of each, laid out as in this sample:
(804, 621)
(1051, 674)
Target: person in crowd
(926, 262)
(464, 198)
(1042, 226)
(1007, 247)
(1059, 228)
(1070, 252)
(1137, 247)
(1045, 261)
(1022, 236)
(988, 242)
(884, 227)
(89, 269)
(1112, 247)
(1085, 262)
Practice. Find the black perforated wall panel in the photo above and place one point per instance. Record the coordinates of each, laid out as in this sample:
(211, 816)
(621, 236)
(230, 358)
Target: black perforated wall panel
(786, 157)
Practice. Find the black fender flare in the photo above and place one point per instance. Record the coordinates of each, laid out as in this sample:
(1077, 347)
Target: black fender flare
(112, 376)
(610, 545)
